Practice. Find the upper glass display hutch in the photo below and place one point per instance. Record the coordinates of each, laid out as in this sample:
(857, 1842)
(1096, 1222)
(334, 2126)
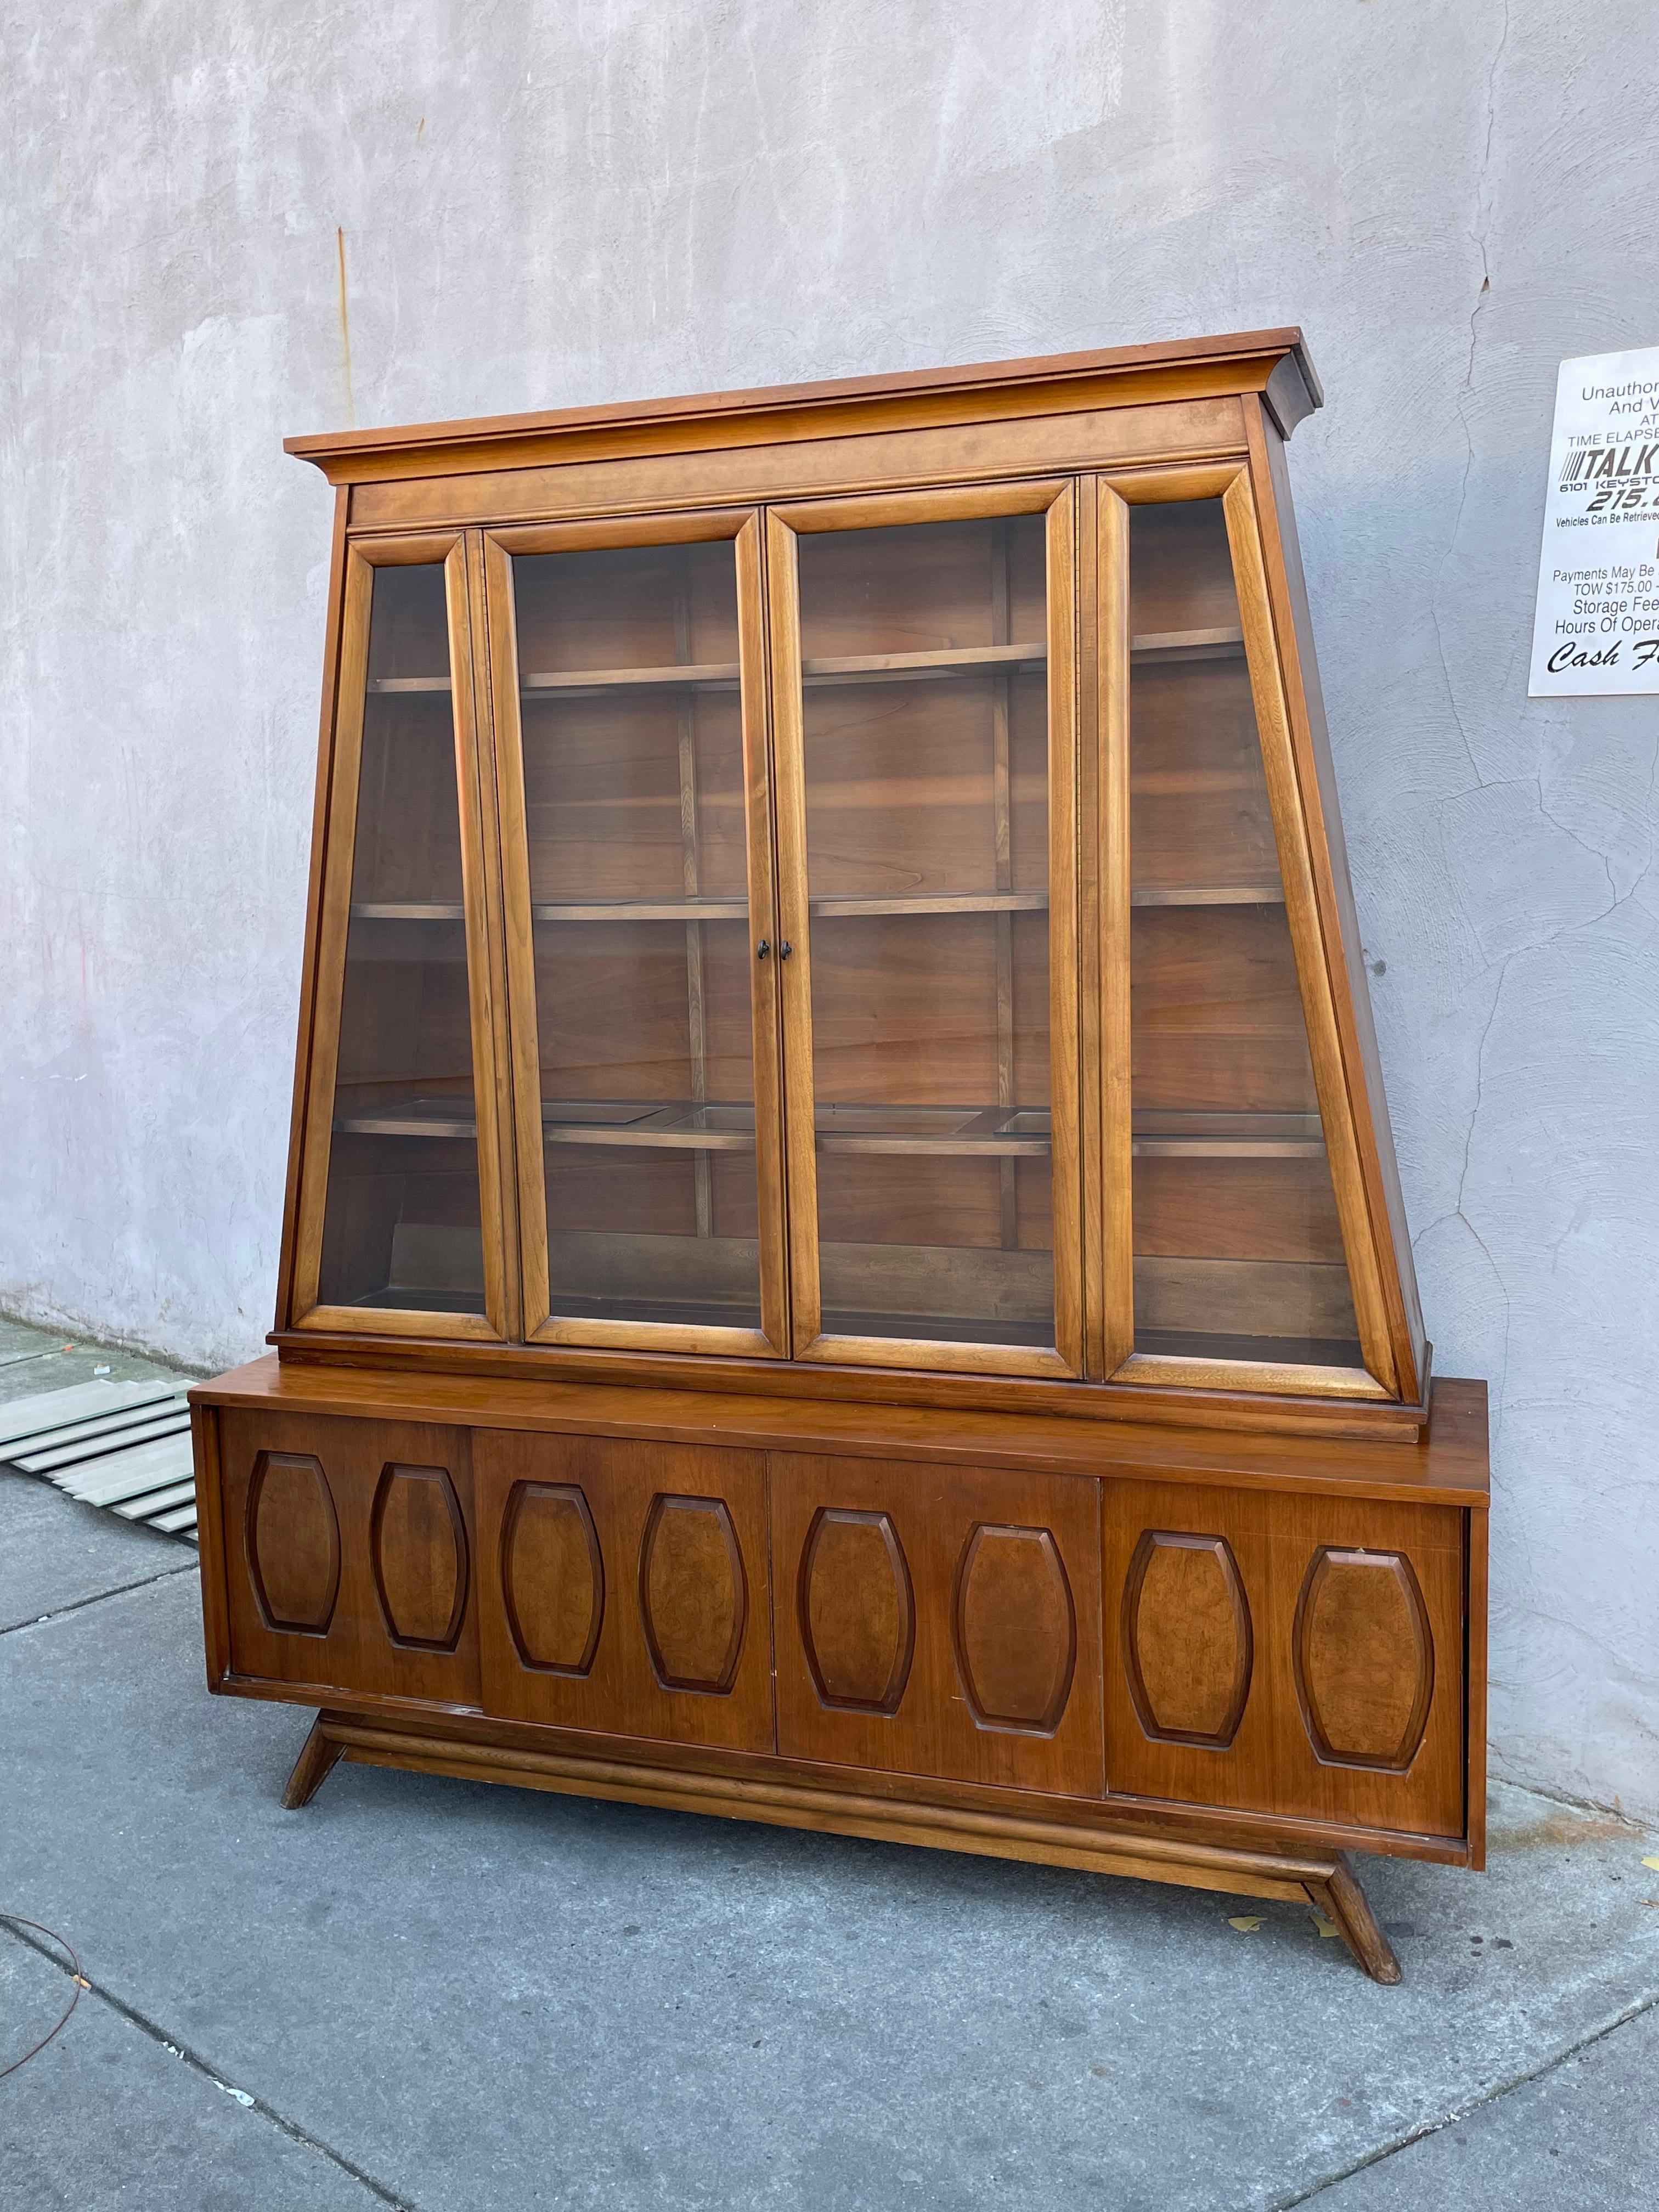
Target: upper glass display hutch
(861, 902)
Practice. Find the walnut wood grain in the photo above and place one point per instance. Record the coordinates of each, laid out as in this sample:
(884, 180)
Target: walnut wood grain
(1200, 1619)
(1448, 1466)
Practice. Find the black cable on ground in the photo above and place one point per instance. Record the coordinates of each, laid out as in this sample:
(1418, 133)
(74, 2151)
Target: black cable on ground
(77, 1980)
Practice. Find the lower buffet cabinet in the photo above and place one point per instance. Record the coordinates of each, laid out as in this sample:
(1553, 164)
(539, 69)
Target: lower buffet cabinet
(1217, 1661)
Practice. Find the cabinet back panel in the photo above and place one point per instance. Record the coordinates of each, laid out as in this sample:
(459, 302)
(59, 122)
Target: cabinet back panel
(626, 607)
(605, 796)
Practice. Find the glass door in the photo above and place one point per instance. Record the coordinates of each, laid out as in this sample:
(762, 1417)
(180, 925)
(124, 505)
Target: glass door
(629, 698)
(925, 730)
(399, 1193)
(1238, 1144)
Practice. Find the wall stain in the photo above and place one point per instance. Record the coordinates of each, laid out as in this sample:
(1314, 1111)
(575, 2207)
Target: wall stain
(346, 332)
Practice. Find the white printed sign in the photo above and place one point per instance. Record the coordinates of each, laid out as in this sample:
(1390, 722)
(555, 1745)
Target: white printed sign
(1596, 628)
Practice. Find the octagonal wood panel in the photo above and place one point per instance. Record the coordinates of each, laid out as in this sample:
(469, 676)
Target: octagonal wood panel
(694, 1593)
(1188, 1646)
(293, 1539)
(1014, 1628)
(857, 1608)
(552, 1577)
(1364, 1658)
(417, 1543)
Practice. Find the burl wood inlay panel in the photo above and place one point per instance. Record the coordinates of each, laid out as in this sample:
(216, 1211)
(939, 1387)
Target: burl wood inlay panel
(1364, 1659)
(1188, 1647)
(1349, 1617)
(552, 1577)
(694, 1593)
(1014, 1629)
(856, 1610)
(293, 1543)
(355, 1570)
(417, 1541)
(623, 1588)
(945, 1621)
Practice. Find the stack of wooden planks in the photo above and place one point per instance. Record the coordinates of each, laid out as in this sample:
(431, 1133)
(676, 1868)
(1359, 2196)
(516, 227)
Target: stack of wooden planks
(123, 1446)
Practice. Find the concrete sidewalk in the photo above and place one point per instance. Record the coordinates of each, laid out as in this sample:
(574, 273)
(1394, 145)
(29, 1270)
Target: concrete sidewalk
(455, 1998)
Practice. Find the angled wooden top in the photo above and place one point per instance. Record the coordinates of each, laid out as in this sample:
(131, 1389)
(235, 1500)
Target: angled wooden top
(1272, 362)
(1446, 1466)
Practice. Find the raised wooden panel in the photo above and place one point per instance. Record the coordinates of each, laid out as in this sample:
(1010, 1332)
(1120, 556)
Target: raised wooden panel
(946, 1622)
(1347, 1603)
(293, 1537)
(552, 1577)
(417, 1541)
(694, 1593)
(1188, 1644)
(1014, 1628)
(856, 1610)
(675, 1646)
(1364, 1659)
(396, 1552)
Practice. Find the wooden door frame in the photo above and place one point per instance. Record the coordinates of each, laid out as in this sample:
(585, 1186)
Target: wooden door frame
(499, 548)
(361, 558)
(1055, 498)
(1317, 978)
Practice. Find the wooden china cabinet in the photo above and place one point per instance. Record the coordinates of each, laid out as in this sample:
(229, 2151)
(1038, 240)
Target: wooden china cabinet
(843, 1264)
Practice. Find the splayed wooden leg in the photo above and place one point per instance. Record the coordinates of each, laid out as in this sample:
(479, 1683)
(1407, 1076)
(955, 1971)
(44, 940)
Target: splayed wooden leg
(1345, 1904)
(312, 1766)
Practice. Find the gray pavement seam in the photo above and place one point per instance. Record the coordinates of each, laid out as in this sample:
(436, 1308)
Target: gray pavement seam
(98, 1597)
(1494, 2096)
(198, 2064)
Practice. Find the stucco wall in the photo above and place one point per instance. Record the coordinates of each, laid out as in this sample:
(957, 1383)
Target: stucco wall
(611, 198)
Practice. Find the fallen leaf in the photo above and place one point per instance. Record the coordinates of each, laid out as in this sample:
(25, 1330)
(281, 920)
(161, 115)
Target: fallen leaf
(1325, 1927)
(1653, 1862)
(1246, 1923)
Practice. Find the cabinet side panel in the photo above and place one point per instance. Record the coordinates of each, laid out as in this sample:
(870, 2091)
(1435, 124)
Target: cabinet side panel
(1288, 591)
(1332, 1630)
(938, 1620)
(313, 909)
(367, 1527)
(624, 1587)
(210, 1539)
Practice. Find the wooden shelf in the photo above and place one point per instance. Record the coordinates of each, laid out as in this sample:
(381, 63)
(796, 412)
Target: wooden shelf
(1152, 645)
(934, 1131)
(841, 668)
(973, 1131)
(1171, 1136)
(680, 676)
(923, 667)
(833, 904)
(827, 909)
(660, 909)
(408, 911)
(410, 1117)
(1208, 895)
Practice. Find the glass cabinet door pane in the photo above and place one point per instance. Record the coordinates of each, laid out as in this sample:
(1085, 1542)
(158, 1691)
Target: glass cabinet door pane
(631, 717)
(403, 1226)
(1237, 1250)
(925, 769)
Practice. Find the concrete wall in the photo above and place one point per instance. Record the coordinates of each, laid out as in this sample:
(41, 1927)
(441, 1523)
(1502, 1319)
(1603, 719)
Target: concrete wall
(611, 198)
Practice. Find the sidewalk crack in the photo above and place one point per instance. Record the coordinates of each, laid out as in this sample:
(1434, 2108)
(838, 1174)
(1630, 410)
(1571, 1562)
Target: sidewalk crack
(98, 1597)
(1491, 2096)
(198, 2064)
